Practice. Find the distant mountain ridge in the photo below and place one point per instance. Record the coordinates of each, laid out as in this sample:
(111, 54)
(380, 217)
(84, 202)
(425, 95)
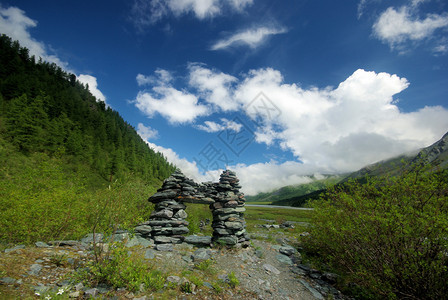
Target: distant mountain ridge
(435, 155)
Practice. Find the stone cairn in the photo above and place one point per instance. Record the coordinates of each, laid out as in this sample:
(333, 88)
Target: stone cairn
(167, 223)
(228, 210)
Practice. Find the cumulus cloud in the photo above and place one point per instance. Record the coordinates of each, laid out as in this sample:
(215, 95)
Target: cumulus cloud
(328, 130)
(174, 105)
(252, 38)
(210, 126)
(93, 86)
(396, 27)
(188, 168)
(146, 132)
(343, 128)
(215, 87)
(148, 12)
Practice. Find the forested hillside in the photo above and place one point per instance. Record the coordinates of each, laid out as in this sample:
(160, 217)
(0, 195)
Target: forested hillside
(45, 109)
(60, 149)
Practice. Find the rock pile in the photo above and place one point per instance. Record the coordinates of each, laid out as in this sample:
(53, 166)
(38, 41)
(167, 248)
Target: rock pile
(228, 211)
(167, 224)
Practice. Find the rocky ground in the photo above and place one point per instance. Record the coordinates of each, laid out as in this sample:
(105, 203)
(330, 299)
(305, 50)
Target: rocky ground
(265, 270)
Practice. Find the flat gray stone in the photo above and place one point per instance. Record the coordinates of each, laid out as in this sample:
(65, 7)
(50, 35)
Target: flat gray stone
(88, 239)
(312, 290)
(201, 254)
(35, 269)
(173, 279)
(234, 225)
(284, 259)
(92, 292)
(143, 229)
(164, 247)
(198, 240)
(180, 214)
(14, 248)
(41, 245)
(287, 250)
(150, 254)
(271, 269)
(7, 280)
(166, 240)
(227, 240)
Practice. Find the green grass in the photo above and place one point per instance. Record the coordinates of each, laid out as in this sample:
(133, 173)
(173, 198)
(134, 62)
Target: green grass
(278, 214)
(256, 216)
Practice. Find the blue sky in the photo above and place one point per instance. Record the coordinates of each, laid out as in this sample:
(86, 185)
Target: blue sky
(276, 90)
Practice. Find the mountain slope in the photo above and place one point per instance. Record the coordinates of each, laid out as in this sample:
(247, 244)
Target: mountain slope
(287, 194)
(434, 156)
(68, 163)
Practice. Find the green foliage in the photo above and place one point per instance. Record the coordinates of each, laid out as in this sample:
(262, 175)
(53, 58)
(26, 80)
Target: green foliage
(67, 163)
(196, 214)
(44, 198)
(46, 110)
(389, 236)
(292, 195)
(119, 269)
(204, 265)
(233, 281)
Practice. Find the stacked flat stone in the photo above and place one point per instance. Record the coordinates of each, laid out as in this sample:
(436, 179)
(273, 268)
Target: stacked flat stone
(167, 223)
(228, 210)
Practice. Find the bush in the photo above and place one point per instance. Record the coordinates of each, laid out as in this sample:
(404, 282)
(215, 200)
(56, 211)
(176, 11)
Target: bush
(119, 269)
(388, 236)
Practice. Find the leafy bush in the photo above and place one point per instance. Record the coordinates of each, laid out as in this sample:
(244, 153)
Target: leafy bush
(388, 236)
(119, 269)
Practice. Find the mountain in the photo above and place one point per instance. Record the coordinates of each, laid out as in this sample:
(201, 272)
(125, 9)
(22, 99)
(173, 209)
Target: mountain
(434, 156)
(290, 193)
(68, 163)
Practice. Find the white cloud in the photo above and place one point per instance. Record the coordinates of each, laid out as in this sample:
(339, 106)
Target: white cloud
(174, 105)
(15, 23)
(240, 4)
(146, 132)
(93, 86)
(329, 129)
(398, 26)
(214, 87)
(211, 126)
(343, 128)
(264, 177)
(147, 12)
(251, 37)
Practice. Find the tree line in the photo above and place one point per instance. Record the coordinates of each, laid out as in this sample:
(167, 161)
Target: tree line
(45, 109)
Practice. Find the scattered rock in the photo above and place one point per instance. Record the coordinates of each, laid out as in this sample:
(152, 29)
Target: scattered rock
(41, 245)
(271, 269)
(92, 292)
(164, 247)
(287, 250)
(173, 279)
(7, 280)
(150, 254)
(14, 248)
(201, 254)
(198, 240)
(35, 269)
(284, 259)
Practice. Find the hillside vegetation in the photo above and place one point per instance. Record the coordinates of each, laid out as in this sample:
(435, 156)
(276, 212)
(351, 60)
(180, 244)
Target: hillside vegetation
(67, 162)
(289, 194)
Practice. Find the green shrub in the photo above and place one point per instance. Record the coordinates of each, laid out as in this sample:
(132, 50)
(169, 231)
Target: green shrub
(119, 269)
(389, 236)
(233, 281)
